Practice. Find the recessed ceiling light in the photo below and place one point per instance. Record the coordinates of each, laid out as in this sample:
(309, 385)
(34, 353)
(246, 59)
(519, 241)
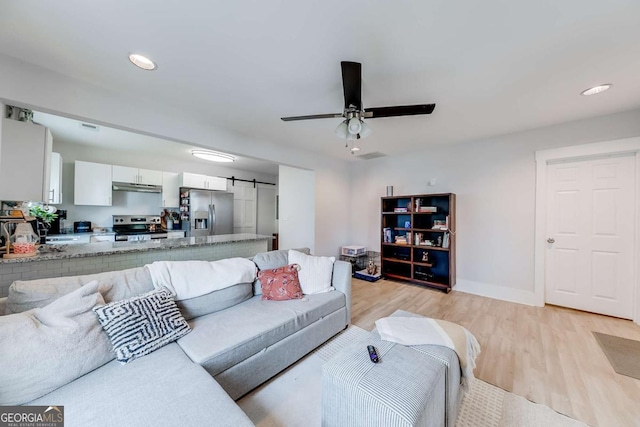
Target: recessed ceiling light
(213, 156)
(596, 89)
(142, 61)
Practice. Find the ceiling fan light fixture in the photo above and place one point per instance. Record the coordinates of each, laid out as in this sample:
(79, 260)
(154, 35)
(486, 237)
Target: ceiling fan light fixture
(355, 125)
(596, 89)
(213, 156)
(366, 129)
(342, 130)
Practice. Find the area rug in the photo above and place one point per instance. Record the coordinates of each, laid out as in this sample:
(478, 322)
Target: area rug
(293, 397)
(623, 354)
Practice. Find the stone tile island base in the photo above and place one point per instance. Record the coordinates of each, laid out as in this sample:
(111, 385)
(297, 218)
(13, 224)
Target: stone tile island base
(72, 266)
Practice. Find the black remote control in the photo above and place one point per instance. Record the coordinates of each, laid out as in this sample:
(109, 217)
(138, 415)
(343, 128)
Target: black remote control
(373, 354)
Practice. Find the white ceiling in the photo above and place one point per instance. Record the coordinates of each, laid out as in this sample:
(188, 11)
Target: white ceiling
(492, 66)
(137, 144)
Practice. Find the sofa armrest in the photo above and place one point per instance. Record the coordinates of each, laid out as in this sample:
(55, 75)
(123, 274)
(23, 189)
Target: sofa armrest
(341, 281)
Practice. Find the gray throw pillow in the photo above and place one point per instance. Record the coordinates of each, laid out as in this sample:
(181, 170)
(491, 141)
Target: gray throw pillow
(142, 324)
(45, 348)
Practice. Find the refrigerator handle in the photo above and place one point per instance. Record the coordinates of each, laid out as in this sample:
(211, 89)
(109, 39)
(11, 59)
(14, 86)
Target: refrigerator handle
(212, 219)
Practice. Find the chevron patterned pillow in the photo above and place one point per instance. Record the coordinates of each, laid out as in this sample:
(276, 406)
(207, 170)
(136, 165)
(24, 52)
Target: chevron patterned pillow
(142, 324)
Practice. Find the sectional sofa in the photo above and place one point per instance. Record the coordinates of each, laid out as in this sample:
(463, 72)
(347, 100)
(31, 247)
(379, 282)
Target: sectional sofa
(53, 351)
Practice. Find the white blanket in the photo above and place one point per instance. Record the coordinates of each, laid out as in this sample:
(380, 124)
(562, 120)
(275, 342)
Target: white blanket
(423, 330)
(190, 279)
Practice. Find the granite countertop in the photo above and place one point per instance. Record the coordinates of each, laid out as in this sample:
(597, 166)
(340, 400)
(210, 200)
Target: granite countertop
(50, 252)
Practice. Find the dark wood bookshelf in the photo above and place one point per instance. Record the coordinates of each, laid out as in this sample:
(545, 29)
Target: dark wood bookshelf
(407, 261)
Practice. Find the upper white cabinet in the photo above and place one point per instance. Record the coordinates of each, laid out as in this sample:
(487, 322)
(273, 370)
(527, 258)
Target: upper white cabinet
(170, 190)
(25, 152)
(136, 176)
(92, 184)
(55, 179)
(195, 180)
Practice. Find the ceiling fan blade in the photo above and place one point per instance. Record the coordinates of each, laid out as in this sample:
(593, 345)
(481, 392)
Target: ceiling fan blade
(399, 110)
(314, 116)
(352, 84)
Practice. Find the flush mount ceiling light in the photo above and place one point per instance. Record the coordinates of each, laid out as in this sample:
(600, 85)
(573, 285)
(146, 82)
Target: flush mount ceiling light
(596, 89)
(142, 61)
(213, 156)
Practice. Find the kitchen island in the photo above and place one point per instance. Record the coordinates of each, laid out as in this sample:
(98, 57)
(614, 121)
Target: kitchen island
(89, 258)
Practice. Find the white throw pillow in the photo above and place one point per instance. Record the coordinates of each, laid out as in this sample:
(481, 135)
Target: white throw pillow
(45, 348)
(315, 272)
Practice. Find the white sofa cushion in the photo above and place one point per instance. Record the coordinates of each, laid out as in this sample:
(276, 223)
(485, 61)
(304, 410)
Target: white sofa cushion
(45, 348)
(27, 294)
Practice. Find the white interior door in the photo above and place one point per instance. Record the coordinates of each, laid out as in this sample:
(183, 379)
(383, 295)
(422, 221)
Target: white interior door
(590, 230)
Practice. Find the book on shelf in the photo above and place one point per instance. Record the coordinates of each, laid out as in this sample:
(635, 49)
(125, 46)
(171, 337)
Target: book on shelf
(400, 210)
(445, 241)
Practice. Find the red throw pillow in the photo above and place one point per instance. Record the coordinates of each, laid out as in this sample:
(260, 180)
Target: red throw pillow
(280, 283)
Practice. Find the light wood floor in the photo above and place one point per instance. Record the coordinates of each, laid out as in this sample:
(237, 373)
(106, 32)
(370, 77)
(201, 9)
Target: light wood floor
(547, 355)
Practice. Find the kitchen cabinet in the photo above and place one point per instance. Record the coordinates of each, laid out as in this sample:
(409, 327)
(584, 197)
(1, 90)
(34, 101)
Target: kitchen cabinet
(25, 153)
(102, 238)
(170, 190)
(175, 234)
(204, 182)
(92, 184)
(55, 179)
(69, 239)
(136, 176)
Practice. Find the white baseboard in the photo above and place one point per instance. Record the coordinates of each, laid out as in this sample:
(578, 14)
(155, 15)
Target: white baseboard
(497, 292)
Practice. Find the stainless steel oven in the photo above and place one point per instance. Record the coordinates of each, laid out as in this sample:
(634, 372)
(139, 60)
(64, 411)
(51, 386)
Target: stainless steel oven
(137, 228)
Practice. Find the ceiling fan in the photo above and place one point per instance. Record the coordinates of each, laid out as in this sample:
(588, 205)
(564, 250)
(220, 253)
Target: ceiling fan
(353, 126)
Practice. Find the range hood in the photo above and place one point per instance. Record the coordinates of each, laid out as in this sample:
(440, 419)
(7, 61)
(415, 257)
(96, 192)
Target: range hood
(138, 188)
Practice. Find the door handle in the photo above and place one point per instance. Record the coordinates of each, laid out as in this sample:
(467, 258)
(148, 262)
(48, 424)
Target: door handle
(551, 240)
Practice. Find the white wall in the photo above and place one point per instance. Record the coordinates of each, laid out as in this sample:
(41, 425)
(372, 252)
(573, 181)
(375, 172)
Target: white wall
(297, 208)
(124, 202)
(494, 180)
(43, 90)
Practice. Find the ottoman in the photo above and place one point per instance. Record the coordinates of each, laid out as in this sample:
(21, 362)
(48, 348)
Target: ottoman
(406, 388)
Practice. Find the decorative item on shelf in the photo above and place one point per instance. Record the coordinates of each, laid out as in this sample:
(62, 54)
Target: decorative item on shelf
(23, 241)
(428, 209)
(401, 240)
(439, 241)
(387, 234)
(425, 257)
(421, 275)
(418, 239)
(407, 224)
(439, 224)
(418, 204)
(445, 241)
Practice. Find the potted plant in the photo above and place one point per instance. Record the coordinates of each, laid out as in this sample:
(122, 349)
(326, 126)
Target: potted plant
(43, 216)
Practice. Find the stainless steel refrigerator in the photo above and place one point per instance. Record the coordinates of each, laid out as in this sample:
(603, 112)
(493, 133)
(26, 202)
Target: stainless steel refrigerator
(210, 212)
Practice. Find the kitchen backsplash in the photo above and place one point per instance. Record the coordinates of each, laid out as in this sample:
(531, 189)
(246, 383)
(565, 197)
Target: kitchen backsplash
(124, 203)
